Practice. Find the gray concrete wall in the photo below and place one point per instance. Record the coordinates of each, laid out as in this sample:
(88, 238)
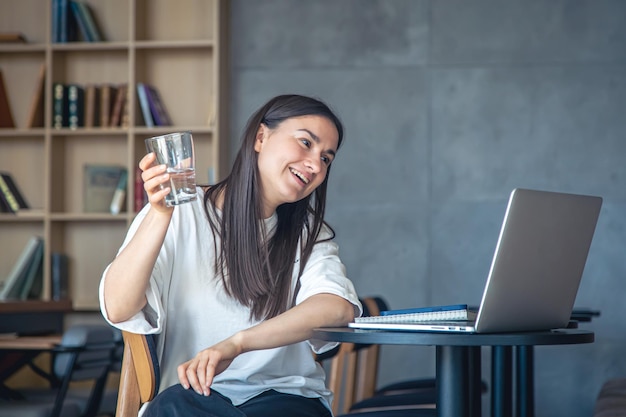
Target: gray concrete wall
(448, 105)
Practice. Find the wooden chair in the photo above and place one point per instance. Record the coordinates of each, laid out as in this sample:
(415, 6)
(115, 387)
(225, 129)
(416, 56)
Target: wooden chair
(139, 376)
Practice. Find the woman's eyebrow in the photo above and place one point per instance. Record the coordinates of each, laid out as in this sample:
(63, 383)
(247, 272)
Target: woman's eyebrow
(316, 139)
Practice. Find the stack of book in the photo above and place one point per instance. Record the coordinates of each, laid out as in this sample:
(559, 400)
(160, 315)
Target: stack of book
(152, 107)
(73, 21)
(26, 278)
(89, 106)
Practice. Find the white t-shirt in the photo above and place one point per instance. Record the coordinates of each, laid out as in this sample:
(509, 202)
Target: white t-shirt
(189, 310)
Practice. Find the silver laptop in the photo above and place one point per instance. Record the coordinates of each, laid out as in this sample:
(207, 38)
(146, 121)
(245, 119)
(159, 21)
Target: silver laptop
(536, 268)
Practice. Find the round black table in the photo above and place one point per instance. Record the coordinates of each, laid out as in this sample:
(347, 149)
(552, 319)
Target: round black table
(458, 360)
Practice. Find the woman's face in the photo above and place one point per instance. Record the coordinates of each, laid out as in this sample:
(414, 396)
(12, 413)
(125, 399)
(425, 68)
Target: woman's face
(294, 158)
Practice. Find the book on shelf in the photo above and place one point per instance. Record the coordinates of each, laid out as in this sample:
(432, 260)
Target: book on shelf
(59, 276)
(142, 94)
(6, 116)
(157, 108)
(85, 21)
(59, 106)
(141, 198)
(12, 37)
(76, 106)
(118, 106)
(16, 280)
(11, 192)
(108, 92)
(119, 196)
(36, 111)
(100, 183)
(92, 105)
(34, 273)
(435, 313)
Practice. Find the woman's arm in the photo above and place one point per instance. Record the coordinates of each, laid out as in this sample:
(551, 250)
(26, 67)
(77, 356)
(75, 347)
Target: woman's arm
(293, 326)
(128, 275)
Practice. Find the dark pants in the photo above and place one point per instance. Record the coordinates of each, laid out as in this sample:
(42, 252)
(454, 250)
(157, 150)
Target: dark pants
(179, 402)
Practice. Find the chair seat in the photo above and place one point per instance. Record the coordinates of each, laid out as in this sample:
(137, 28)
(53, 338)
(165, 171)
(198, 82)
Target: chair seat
(37, 409)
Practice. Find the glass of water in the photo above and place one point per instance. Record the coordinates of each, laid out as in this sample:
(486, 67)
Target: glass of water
(177, 152)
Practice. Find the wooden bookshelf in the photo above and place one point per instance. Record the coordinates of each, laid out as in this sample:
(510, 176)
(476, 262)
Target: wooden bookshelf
(177, 46)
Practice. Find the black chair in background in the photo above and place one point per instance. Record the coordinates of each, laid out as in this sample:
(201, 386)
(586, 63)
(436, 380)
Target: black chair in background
(85, 354)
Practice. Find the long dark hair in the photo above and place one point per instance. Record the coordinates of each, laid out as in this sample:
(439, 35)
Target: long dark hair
(256, 271)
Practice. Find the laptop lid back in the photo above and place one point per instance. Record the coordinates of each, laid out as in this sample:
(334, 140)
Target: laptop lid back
(538, 262)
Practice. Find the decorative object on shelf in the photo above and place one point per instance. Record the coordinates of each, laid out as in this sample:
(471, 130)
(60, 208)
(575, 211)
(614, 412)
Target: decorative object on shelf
(6, 116)
(36, 111)
(119, 196)
(12, 37)
(100, 183)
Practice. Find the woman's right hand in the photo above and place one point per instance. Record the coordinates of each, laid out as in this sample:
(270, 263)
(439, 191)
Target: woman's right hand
(155, 182)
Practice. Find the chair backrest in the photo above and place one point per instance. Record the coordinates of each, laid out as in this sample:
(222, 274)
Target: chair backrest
(140, 374)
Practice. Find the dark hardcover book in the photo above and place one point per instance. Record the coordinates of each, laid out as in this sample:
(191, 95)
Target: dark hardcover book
(142, 94)
(54, 35)
(36, 111)
(8, 197)
(118, 106)
(6, 116)
(157, 108)
(81, 24)
(100, 183)
(63, 12)
(5, 206)
(76, 106)
(87, 16)
(59, 275)
(92, 105)
(14, 189)
(35, 268)
(15, 279)
(60, 106)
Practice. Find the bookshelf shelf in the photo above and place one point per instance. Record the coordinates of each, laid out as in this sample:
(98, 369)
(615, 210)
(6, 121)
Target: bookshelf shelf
(177, 47)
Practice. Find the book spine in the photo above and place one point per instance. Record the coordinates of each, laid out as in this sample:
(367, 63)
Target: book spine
(145, 106)
(157, 107)
(80, 21)
(90, 23)
(8, 196)
(59, 276)
(63, 26)
(107, 94)
(59, 117)
(92, 106)
(8, 179)
(76, 106)
(117, 202)
(120, 98)
(54, 34)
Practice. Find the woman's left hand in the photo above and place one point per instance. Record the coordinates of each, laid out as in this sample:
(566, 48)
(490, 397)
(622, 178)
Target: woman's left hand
(198, 373)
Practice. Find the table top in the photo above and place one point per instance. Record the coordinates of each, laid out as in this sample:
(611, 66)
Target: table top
(29, 342)
(392, 337)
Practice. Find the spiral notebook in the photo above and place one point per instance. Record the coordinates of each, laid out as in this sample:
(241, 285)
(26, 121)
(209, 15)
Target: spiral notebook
(535, 272)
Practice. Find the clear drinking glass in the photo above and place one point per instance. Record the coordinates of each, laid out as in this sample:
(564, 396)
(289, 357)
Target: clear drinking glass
(176, 150)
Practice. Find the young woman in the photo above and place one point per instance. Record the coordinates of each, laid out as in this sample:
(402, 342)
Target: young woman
(234, 283)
